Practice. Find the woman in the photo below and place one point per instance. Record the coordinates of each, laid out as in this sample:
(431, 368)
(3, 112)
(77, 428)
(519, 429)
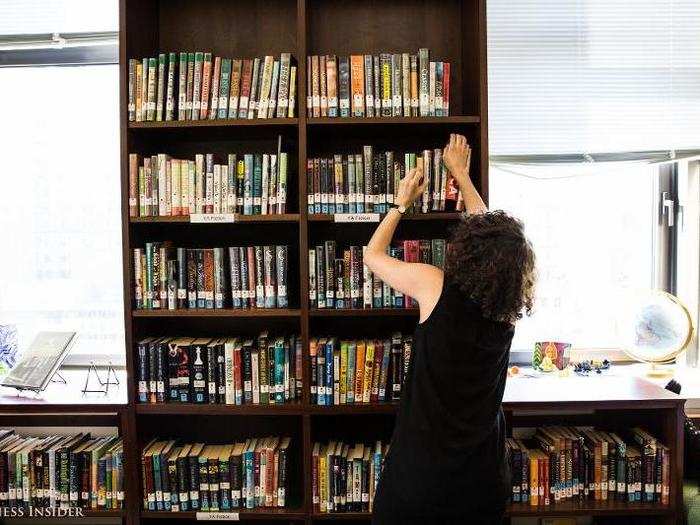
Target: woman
(446, 461)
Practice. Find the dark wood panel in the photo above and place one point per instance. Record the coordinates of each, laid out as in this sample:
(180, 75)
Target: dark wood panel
(229, 28)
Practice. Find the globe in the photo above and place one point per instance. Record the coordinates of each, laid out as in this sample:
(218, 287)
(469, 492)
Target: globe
(658, 327)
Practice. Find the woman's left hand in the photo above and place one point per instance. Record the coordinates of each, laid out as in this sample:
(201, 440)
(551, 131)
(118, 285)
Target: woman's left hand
(411, 187)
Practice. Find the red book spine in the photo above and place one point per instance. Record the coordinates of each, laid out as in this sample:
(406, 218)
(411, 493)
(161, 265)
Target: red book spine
(410, 254)
(250, 255)
(246, 79)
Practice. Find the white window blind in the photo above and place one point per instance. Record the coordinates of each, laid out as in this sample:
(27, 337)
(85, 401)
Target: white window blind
(58, 16)
(593, 76)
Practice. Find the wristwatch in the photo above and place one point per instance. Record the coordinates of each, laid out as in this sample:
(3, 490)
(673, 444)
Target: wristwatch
(400, 209)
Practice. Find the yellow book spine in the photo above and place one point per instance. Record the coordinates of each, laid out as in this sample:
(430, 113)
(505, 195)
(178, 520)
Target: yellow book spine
(369, 366)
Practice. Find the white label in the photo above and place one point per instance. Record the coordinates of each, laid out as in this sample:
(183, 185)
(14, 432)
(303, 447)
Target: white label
(169, 105)
(332, 102)
(357, 100)
(132, 107)
(222, 101)
(132, 201)
(316, 100)
(369, 100)
(217, 516)
(200, 218)
(344, 103)
(181, 293)
(356, 217)
(281, 290)
(397, 101)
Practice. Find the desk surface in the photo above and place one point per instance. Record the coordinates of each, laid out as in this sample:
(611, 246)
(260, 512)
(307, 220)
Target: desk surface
(67, 397)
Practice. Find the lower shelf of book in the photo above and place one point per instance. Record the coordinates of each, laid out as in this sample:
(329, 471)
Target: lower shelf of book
(243, 514)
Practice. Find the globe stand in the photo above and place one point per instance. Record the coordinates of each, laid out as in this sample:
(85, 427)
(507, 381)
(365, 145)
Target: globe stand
(659, 371)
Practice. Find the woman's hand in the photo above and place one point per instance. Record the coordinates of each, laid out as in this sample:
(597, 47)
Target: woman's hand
(411, 187)
(456, 157)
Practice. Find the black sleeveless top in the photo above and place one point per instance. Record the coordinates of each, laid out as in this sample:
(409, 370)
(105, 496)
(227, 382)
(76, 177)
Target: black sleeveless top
(446, 458)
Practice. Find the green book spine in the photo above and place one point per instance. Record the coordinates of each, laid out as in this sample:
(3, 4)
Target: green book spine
(225, 87)
(190, 85)
(182, 88)
(160, 99)
(170, 91)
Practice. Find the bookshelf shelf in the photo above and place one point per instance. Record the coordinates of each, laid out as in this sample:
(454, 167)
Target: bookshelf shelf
(286, 409)
(221, 312)
(243, 514)
(342, 516)
(216, 123)
(435, 216)
(359, 408)
(590, 509)
(363, 312)
(389, 121)
(248, 219)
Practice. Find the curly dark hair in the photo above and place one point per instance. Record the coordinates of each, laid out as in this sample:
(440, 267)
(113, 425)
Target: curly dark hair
(494, 264)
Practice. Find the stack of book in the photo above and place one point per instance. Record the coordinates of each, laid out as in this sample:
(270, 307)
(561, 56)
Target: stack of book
(384, 85)
(345, 282)
(61, 471)
(181, 477)
(583, 464)
(248, 184)
(238, 277)
(198, 86)
(234, 371)
(345, 477)
(358, 371)
(369, 182)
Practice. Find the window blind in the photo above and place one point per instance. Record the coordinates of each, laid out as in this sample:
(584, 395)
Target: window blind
(593, 76)
(58, 16)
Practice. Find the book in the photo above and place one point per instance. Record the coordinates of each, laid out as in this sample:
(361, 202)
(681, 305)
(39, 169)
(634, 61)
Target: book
(554, 464)
(345, 477)
(212, 278)
(356, 371)
(216, 477)
(200, 86)
(385, 84)
(229, 370)
(204, 186)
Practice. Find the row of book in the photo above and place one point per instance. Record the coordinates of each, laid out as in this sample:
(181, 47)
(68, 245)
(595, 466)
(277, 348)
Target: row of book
(248, 184)
(61, 471)
(344, 476)
(181, 477)
(565, 463)
(358, 371)
(199, 86)
(345, 282)
(234, 371)
(383, 85)
(369, 182)
(237, 276)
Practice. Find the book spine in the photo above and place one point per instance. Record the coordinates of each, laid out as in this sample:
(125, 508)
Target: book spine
(215, 86)
(423, 82)
(160, 97)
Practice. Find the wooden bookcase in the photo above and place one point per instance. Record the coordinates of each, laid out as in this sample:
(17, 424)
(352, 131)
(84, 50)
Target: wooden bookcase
(453, 30)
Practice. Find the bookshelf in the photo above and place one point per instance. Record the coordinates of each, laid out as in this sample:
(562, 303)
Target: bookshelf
(453, 30)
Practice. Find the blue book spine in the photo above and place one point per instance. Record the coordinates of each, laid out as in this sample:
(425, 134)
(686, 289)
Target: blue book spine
(249, 481)
(321, 375)
(279, 372)
(329, 373)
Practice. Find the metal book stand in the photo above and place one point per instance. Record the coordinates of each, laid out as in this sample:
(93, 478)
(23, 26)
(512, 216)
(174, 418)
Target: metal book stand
(56, 378)
(111, 379)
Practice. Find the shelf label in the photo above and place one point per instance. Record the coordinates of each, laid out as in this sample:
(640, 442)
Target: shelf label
(356, 217)
(217, 516)
(207, 218)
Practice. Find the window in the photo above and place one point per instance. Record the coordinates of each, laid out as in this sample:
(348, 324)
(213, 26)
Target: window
(61, 219)
(578, 90)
